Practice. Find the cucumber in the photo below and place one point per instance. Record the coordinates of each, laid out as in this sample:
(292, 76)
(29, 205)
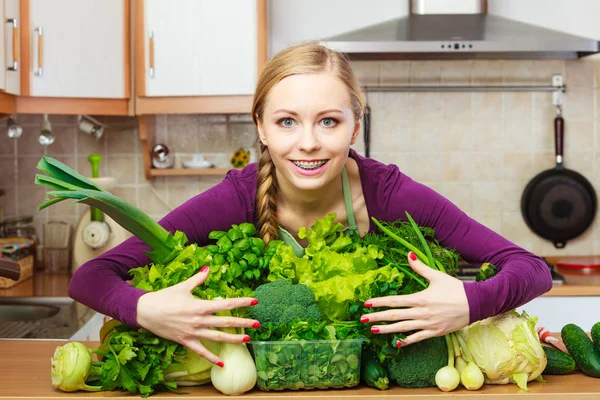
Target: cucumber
(582, 349)
(559, 363)
(596, 336)
(372, 372)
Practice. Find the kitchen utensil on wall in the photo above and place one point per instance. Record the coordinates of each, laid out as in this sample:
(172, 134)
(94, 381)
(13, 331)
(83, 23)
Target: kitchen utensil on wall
(13, 129)
(96, 232)
(46, 137)
(161, 158)
(559, 204)
(57, 246)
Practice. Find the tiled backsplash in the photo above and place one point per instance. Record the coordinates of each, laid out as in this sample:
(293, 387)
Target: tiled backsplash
(477, 148)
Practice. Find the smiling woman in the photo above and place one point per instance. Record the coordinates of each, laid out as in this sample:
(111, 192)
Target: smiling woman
(307, 108)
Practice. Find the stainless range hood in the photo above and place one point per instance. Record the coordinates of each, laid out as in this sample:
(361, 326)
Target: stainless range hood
(432, 31)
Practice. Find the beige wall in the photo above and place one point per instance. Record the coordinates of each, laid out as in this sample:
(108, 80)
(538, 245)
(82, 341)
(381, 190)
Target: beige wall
(477, 148)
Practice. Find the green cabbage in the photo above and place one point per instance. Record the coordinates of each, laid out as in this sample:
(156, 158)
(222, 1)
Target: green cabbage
(506, 348)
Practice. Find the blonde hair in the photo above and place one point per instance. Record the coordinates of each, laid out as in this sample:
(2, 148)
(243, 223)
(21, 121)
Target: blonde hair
(306, 58)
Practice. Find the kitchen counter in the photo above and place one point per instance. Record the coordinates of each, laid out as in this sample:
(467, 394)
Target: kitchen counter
(25, 372)
(40, 284)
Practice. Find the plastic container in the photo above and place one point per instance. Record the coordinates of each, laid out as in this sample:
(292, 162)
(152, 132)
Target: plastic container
(311, 364)
(580, 271)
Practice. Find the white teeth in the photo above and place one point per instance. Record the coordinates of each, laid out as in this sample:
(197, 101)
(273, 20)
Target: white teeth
(309, 164)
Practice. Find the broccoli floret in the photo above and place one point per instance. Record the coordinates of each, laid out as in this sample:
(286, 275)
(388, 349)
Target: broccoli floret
(281, 301)
(417, 364)
(486, 271)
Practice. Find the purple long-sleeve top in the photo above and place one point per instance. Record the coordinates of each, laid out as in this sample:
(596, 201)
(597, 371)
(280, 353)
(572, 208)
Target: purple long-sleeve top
(101, 283)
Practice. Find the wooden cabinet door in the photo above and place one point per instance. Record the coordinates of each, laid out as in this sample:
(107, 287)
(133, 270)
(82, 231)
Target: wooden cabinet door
(77, 48)
(12, 46)
(200, 47)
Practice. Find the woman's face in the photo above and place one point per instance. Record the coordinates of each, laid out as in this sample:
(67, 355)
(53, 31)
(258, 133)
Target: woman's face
(308, 126)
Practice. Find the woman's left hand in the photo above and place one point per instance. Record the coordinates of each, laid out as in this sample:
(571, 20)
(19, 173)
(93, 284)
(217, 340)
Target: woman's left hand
(441, 308)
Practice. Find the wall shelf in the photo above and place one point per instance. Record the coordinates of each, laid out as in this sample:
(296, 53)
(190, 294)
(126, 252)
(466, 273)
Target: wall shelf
(188, 171)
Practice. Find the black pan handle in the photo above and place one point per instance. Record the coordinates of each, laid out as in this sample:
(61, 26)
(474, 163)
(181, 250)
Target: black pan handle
(559, 138)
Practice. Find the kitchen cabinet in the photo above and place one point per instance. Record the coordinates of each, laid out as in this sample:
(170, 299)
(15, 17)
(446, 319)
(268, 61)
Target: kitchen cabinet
(200, 47)
(11, 74)
(77, 49)
(198, 56)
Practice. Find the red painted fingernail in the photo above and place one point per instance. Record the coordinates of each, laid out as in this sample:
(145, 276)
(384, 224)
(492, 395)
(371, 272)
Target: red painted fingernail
(412, 256)
(254, 302)
(221, 364)
(398, 343)
(368, 304)
(256, 325)
(246, 339)
(364, 319)
(374, 329)
(204, 269)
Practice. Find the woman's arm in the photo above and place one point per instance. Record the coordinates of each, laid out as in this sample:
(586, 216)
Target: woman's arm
(101, 283)
(522, 276)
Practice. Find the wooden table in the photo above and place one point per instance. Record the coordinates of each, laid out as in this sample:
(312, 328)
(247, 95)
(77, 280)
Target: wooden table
(25, 374)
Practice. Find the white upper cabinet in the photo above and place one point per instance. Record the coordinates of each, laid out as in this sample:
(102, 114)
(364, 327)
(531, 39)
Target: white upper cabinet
(77, 48)
(11, 74)
(199, 47)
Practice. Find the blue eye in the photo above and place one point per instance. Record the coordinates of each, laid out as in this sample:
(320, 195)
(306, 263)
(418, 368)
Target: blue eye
(286, 122)
(328, 122)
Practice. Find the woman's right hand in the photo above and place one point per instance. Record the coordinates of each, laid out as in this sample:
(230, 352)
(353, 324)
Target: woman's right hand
(174, 314)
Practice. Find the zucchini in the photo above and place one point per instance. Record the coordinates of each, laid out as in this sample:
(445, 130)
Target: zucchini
(596, 336)
(582, 349)
(372, 372)
(559, 363)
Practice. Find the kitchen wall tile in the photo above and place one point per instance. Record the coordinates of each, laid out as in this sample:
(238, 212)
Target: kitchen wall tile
(427, 166)
(26, 169)
(129, 193)
(30, 197)
(64, 142)
(518, 134)
(461, 194)
(543, 109)
(28, 142)
(479, 167)
(456, 105)
(488, 134)
(518, 72)
(579, 73)
(456, 135)
(367, 72)
(122, 141)
(579, 135)
(486, 105)
(8, 202)
(456, 72)
(487, 72)
(388, 137)
(122, 167)
(426, 104)
(580, 161)
(543, 161)
(427, 135)
(8, 147)
(240, 135)
(87, 144)
(84, 167)
(150, 203)
(241, 118)
(515, 229)
(211, 138)
(8, 172)
(182, 119)
(579, 104)
(518, 106)
(544, 69)
(511, 194)
(183, 138)
(487, 197)
(395, 73)
(180, 194)
(212, 119)
(543, 134)
(517, 166)
(425, 73)
(30, 119)
(401, 159)
(390, 107)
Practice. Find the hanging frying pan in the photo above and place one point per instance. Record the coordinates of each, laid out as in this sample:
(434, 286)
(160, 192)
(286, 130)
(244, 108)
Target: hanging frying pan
(559, 204)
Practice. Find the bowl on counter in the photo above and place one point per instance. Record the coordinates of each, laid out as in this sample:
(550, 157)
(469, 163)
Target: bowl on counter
(580, 270)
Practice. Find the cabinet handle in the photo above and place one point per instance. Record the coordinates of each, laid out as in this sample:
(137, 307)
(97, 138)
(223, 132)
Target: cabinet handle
(40, 67)
(15, 49)
(151, 53)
